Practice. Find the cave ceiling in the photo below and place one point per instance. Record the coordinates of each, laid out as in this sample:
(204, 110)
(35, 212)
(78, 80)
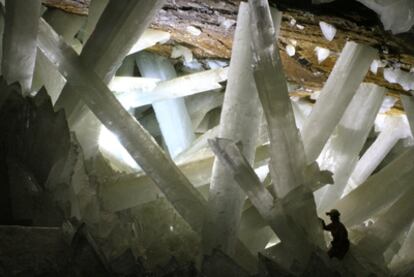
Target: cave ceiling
(300, 26)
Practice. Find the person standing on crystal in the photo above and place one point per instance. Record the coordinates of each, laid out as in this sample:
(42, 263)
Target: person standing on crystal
(340, 242)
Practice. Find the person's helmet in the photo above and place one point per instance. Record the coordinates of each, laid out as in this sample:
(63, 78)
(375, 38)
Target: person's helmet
(333, 213)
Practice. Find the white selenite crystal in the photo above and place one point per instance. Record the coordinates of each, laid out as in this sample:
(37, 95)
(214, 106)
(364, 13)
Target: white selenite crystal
(240, 120)
(345, 78)
(398, 76)
(302, 109)
(111, 146)
(96, 9)
(179, 51)
(46, 75)
(130, 84)
(172, 114)
(407, 81)
(378, 191)
(19, 42)
(101, 100)
(227, 23)
(188, 202)
(388, 103)
(232, 158)
(199, 105)
(117, 31)
(277, 20)
(328, 30)
(287, 162)
(193, 30)
(148, 39)
(137, 92)
(315, 95)
(388, 226)
(196, 165)
(290, 50)
(341, 153)
(65, 24)
(322, 53)
(408, 104)
(392, 129)
(397, 16)
(375, 65)
(192, 67)
(114, 35)
(268, 73)
(392, 75)
(104, 53)
(213, 64)
(135, 189)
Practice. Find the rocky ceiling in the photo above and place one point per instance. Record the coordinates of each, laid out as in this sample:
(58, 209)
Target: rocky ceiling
(300, 26)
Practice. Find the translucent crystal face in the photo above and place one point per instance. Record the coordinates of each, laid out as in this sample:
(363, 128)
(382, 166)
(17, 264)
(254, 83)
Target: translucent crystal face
(395, 15)
(322, 53)
(146, 170)
(347, 75)
(328, 30)
(172, 115)
(341, 152)
(110, 144)
(19, 44)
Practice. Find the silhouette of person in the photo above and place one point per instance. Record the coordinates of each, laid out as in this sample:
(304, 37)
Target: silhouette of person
(340, 242)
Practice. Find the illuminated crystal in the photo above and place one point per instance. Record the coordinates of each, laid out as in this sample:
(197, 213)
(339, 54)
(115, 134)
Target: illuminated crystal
(341, 153)
(19, 42)
(240, 118)
(172, 114)
(346, 76)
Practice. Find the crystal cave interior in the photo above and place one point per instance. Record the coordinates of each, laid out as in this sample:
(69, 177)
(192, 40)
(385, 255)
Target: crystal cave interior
(206, 138)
